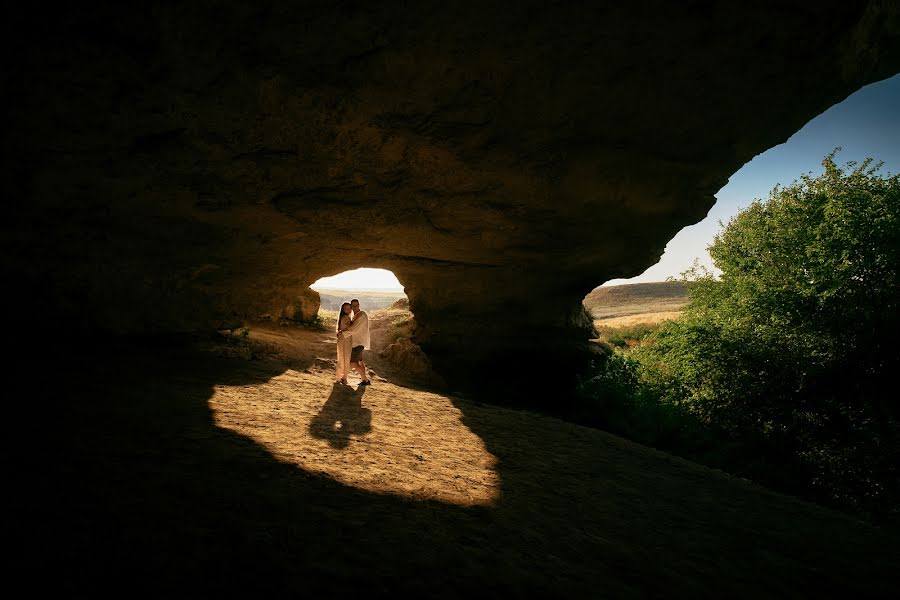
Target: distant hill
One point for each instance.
(603, 303)
(635, 299)
(368, 299)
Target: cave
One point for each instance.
(183, 168)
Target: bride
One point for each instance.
(343, 344)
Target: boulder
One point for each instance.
(304, 308)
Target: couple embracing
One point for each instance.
(352, 339)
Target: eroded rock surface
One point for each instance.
(302, 308)
(184, 167)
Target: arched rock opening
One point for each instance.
(180, 168)
(375, 288)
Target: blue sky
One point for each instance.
(866, 124)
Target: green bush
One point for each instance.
(628, 336)
(779, 364)
(794, 342)
(612, 397)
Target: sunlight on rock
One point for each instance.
(384, 439)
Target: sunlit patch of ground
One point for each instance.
(382, 438)
(234, 466)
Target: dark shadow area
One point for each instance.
(342, 416)
(543, 380)
(131, 487)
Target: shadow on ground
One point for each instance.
(138, 492)
(342, 416)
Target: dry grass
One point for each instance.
(645, 318)
(624, 313)
(369, 299)
(619, 301)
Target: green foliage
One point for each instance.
(320, 322)
(324, 320)
(612, 397)
(782, 360)
(628, 336)
(794, 342)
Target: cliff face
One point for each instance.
(180, 168)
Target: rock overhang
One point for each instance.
(186, 167)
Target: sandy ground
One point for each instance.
(236, 466)
(385, 437)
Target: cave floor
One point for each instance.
(240, 467)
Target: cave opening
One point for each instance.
(392, 350)
(375, 288)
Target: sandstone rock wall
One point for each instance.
(185, 166)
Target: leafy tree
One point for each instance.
(793, 347)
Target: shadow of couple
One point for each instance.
(342, 416)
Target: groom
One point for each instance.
(359, 329)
